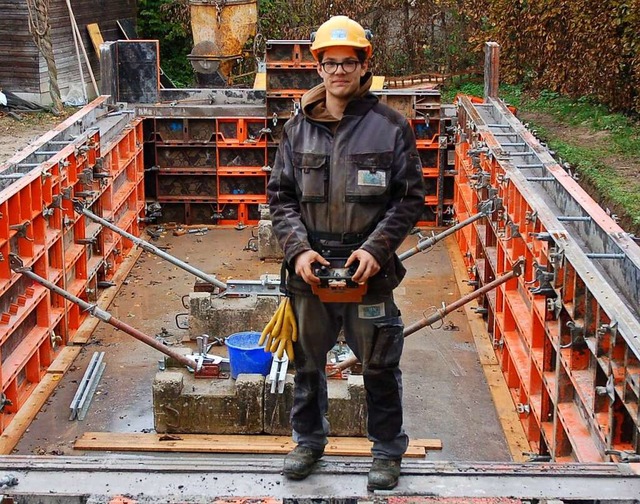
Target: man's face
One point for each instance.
(341, 84)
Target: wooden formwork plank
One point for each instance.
(248, 444)
(89, 325)
(27, 412)
(64, 359)
(512, 427)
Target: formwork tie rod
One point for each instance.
(18, 266)
(431, 241)
(440, 314)
(145, 245)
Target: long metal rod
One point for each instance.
(440, 314)
(105, 316)
(145, 245)
(444, 311)
(430, 242)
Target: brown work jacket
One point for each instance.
(355, 182)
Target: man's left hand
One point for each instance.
(368, 265)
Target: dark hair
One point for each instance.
(361, 54)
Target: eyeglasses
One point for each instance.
(348, 66)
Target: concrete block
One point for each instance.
(184, 404)
(263, 210)
(277, 409)
(268, 246)
(220, 317)
(347, 407)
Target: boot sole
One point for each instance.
(372, 488)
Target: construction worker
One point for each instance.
(346, 185)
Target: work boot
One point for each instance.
(384, 474)
(299, 462)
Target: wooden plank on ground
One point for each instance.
(95, 36)
(238, 443)
(511, 426)
(25, 415)
(89, 325)
(64, 359)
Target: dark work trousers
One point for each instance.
(373, 330)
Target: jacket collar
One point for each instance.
(313, 102)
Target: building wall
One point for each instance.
(24, 70)
(18, 54)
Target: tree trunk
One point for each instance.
(40, 30)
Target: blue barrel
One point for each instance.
(246, 356)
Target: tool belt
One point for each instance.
(338, 245)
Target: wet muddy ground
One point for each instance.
(445, 392)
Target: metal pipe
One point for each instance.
(440, 314)
(598, 255)
(105, 316)
(444, 311)
(145, 245)
(430, 242)
(573, 218)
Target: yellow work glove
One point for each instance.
(281, 331)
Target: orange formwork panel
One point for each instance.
(565, 332)
(38, 224)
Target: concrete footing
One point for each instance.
(184, 404)
(268, 246)
(220, 317)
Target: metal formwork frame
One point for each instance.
(566, 333)
(94, 156)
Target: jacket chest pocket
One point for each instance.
(312, 175)
(368, 176)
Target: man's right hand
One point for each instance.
(302, 265)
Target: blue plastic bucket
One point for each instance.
(245, 356)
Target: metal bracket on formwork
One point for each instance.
(554, 305)
(66, 192)
(85, 177)
(542, 237)
(81, 400)
(608, 389)
(577, 335)
(56, 201)
(556, 256)
(46, 172)
(482, 178)
(610, 328)
(514, 231)
(87, 241)
(531, 217)
(67, 222)
(22, 230)
(487, 207)
(543, 278)
(85, 194)
(523, 409)
(503, 179)
(4, 401)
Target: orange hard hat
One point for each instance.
(340, 31)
